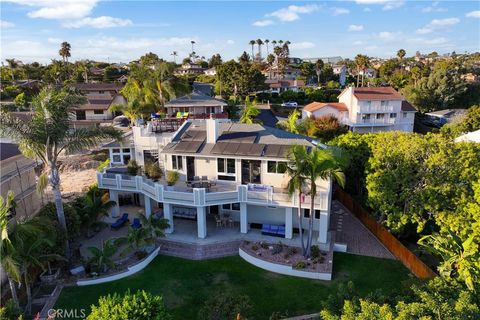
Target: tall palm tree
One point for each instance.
(13, 65)
(322, 164)
(274, 43)
(252, 43)
(64, 51)
(270, 61)
(266, 43)
(94, 207)
(47, 135)
(401, 54)
(193, 51)
(318, 69)
(259, 43)
(362, 62)
(296, 170)
(175, 55)
(250, 112)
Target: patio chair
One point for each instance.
(196, 178)
(231, 223)
(218, 221)
(204, 178)
(136, 224)
(120, 222)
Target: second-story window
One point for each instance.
(380, 115)
(384, 103)
(177, 162)
(306, 213)
(393, 115)
(366, 116)
(97, 111)
(404, 115)
(276, 167)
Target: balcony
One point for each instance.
(222, 193)
(372, 122)
(375, 109)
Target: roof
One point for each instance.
(284, 83)
(126, 143)
(376, 93)
(98, 86)
(236, 139)
(97, 104)
(406, 106)
(8, 150)
(447, 113)
(340, 106)
(195, 99)
(469, 137)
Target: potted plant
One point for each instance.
(172, 178)
(132, 167)
(153, 171)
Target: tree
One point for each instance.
(296, 170)
(149, 59)
(244, 58)
(240, 78)
(95, 207)
(362, 62)
(401, 54)
(64, 51)
(266, 43)
(175, 55)
(324, 128)
(215, 60)
(290, 124)
(259, 43)
(13, 65)
(154, 226)
(252, 43)
(318, 69)
(47, 135)
(132, 306)
(136, 239)
(101, 259)
(249, 112)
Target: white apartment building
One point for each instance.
(367, 109)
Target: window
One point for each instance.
(380, 115)
(366, 116)
(393, 115)
(115, 150)
(116, 158)
(231, 206)
(226, 178)
(276, 167)
(126, 150)
(367, 103)
(404, 115)
(177, 162)
(101, 92)
(384, 103)
(210, 110)
(228, 168)
(97, 111)
(306, 213)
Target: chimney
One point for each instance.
(213, 130)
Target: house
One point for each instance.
(368, 72)
(196, 104)
(329, 60)
(341, 71)
(189, 69)
(18, 175)
(243, 167)
(293, 60)
(275, 72)
(447, 115)
(279, 86)
(100, 96)
(367, 109)
(211, 72)
(473, 136)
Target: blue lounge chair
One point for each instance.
(273, 230)
(136, 224)
(120, 222)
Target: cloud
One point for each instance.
(387, 4)
(372, 1)
(339, 11)
(292, 12)
(358, 43)
(101, 22)
(56, 9)
(367, 9)
(432, 42)
(230, 42)
(388, 36)
(473, 14)
(6, 24)
(54, 40)
(302, 45)
(393, 5)
(263, 23)
(355, 27)
(436, 24)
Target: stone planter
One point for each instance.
(48, 278)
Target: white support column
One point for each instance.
(148, 206)
(168, 214)
(243, 218)
(201, 222)
(288, 223)
(323, 228)
(115, 211)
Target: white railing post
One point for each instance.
(139, 182)
(159, 192)
(242, 193)
(100, 179)
(118, 178)
(199, 196)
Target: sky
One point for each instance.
(121, 31)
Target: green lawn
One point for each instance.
(186, 284)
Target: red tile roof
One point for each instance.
(376, 93)
(406, 106)
(318, 105)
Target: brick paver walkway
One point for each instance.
(349, 230)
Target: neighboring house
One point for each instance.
(94, 71)
(18, 175)
(276, 73)
(100, 96)
(211, 71)
(473, 136)
(246, 163)
(448, 115)
(329, 60)
(279, 86)
(369, 109)
(369, 73)
(293, 60)
(189, 69)
(341, 71)
(196, 104)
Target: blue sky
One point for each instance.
(31, 30)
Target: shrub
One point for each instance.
(72, 218)
(277, 248)
(264, 245)
(299, 265)
(100, 156)
(254, 248)
(314, 251)
(137, 306)
(132, 167)
(172, 177)
(226, 306)
(9, 312)
(152, 171)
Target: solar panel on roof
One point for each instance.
(256, 150)
(272, 150)
(181, 146)
(194, 135)
(239, 136)
(231, 148)
(219, 147)
(243, 149)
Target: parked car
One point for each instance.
(290, 104)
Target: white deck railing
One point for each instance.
(200, 197)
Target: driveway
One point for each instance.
(266, 116)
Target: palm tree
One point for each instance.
(193, 51)
(174, 54)
(47, 135)
(318, 69)
(292, 121)
(155, 226)
(94, 207)
(252, 43)
(250, 112)
(101, 258)
(64, 51)
(13, 65)
(270, 61)
(296, 170)
(135, 239)
(362, 62)
(274, 43)
(401, 54)
(259, 43)
(266, 43)
(322, 164)
(280, 42)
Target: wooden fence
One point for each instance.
(410, 260)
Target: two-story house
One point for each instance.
(367, 109)
(224, 168)
(100, 96)
(196, 104)
(189, 68)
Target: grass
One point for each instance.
(186, 284)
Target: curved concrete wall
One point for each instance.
(131, 270)
(282, 269)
